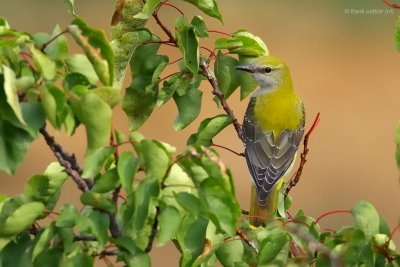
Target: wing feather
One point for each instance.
(267, 159)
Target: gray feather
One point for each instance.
(266, 159)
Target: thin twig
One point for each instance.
(171, 5)
(246, 239)
(217, 92)
(230, 150)
(85, 238)
(111, 252)
(220, 32)
(303, 158)
(44, 46)
(66, 160)
(330, 213)
(164, 28)
(392, 5)
(153, 231)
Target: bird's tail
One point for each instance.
(260, 215)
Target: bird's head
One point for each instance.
(268, 71)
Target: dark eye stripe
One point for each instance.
(268, 70)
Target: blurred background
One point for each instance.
(343, 63)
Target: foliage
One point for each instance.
(185, 197)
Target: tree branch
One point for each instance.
(303, 158)
(66, 160)
(217, 92)
(164, 28)
(114, 226)
(153, 231)
(84, 238)
(246, 239)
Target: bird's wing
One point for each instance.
(267, 159)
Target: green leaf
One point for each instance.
(366, 218)
(98, 201)
(14, 143)
(226, 74)
(43, 241)
(148, 9)
(230, 252)
(383, 227)
(109, 95)
(17, 253)
(274, 244)
(397, 35)
(243, 43)
(46, 187)
(70, 7)
(200, 27)
(138, 259)
(34, 117)
(72, 81)
(49, 258)
(188, 201)
(189, 106)
(80, 63)
(94, 162)
(21, 218)
(247, 83)
(209, 7)
(156, 159)
(96, 48)
(125, 30)
(11, 92)
(94, 222)
(188, 43)
(57, 50)
(96, 115)
(169, 88)
(191, 239)
(169, 222)
(398, 147)
(78, 258)
(53, 100)
(68, 216)
(107, 182)
(141, 96)
(209, 128)
(147, 190)
(219, 204)
(45, 65)
(127, 168)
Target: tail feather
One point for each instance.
(260, 215)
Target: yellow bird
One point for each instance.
(273, 128)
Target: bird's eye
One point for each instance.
(268, 70)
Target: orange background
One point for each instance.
(343, 65)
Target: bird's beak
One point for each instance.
(246, 67)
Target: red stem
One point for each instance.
(393, 232)
(315, 123)
(171, 5)
(228, 149)
(330, 213)
(387, 2)
(296, 221)
(223, 33)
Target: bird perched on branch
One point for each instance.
(272, 131)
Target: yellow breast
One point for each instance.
(278, 110)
